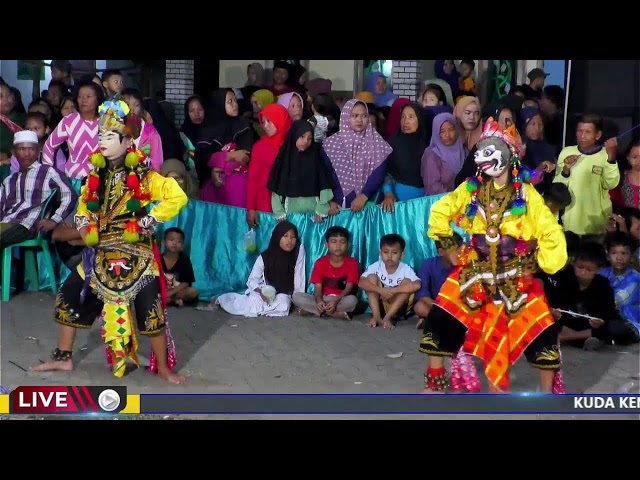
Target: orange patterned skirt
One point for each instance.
(497, 337)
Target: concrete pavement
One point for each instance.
(224, 354)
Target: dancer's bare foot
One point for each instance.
(374, 322)
(179, 302)
(428, 391)
(340, 315)
(171, 377)
(54, 365)
(388, 324)
(420, 323)
(300, 312)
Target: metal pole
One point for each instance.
(566, 105)
(358, 74)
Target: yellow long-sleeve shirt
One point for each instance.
(589, 182)
(538, 223)
(164, 190)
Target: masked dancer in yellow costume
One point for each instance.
(490, 306)
(119, 278)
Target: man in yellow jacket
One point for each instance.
(589, 172)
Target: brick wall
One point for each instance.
(407, 78)
(178, 85)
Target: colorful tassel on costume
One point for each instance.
(98, 160)
(473, 184)
(133, 182)
(133, 205)
(131, 232)
(93, 205)
(521, 248)
(518, 207)
(131, 159)
(536, 177)
(91, 197)
(91, 238)
(93, 182)
(464, 376)
(471, 210)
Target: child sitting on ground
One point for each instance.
(178, 269)
(334, 277)
(390, 284)
(433, 273)
(624, 280)
(593, 317)
(277, 274)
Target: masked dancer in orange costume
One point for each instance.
(490, 306)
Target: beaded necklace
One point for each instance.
(517, 208)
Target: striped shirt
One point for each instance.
(23, 194)
(81, 136)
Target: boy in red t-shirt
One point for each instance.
(335, 277)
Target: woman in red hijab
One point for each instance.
(393, 122)
(276, 122)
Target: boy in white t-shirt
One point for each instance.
(390, 284)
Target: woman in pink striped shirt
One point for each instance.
(79, 130)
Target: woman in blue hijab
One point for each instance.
(377, 85)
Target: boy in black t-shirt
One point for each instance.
(177, 269)
(580, 289)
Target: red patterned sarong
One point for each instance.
(496, 337)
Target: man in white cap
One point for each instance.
(23, 193)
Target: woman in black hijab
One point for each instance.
(277, 273)
(191, 129)
(404, 181)
(225, 125)
(279, 262)
(299, 181)
(172, 145)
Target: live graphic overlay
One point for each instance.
(387, 404)
(112, 400)
(68, 400)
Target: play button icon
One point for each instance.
(109, 400)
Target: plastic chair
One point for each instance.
(30, 259)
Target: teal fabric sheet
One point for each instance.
(214, 243)
(214, 239)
